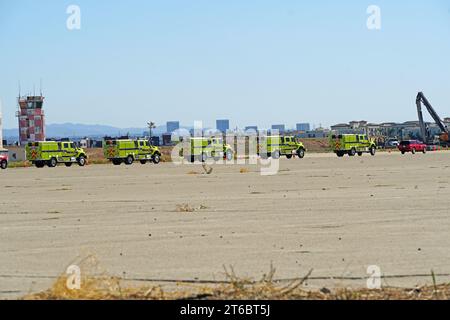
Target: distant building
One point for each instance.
(223, 125)
(303, 127)
(166, 139)
(447, 122)
(386, 130)
(86, 143)
(89, 142)
(155, 141)
(31, 119)
(172, 126)
(97, 144)
(317, 133)
(251, 129)
(341, 128)
(16, 153)
(280, 127)
(352, 127)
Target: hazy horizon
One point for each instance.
(254, 62)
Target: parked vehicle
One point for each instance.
(202, 148)
(352, 144)
(277, 146)
(127, 151)
(3, 159)
(412, 146)
(391, 143)
(51, 153)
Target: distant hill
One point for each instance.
(10, 133)
(70, 130)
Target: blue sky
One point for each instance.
(254, 62)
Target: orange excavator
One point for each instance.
(426, 137)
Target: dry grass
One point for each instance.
(166, 154)
(95, 156)
(105, 287)
(316, 145)
(244, 170)
(187, 208)
(184, 208)
(19, 164)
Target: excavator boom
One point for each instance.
(421, 99)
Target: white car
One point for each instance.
(391, 143)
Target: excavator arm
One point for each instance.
(421, 99)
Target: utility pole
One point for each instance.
(151, 125)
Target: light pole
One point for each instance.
(151, 125)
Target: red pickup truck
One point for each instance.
(3, 159)
(412, 146)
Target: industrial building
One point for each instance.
(251, 129)
(223, 125)
(31, 119)
(167, 139)
(172, 126)
(303, 127)
(316, 133)
(386, 130)
(280, 127)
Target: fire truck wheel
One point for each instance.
(129, 160)
(81, 161)
(39, 164)
(116, 162)
(52, 163)
(276, 155)
(352, 152)
(289, 156)
(68, 164)
(373, 150)
(143, 161)
(156, 158)
(301, 153)
(4, 164)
